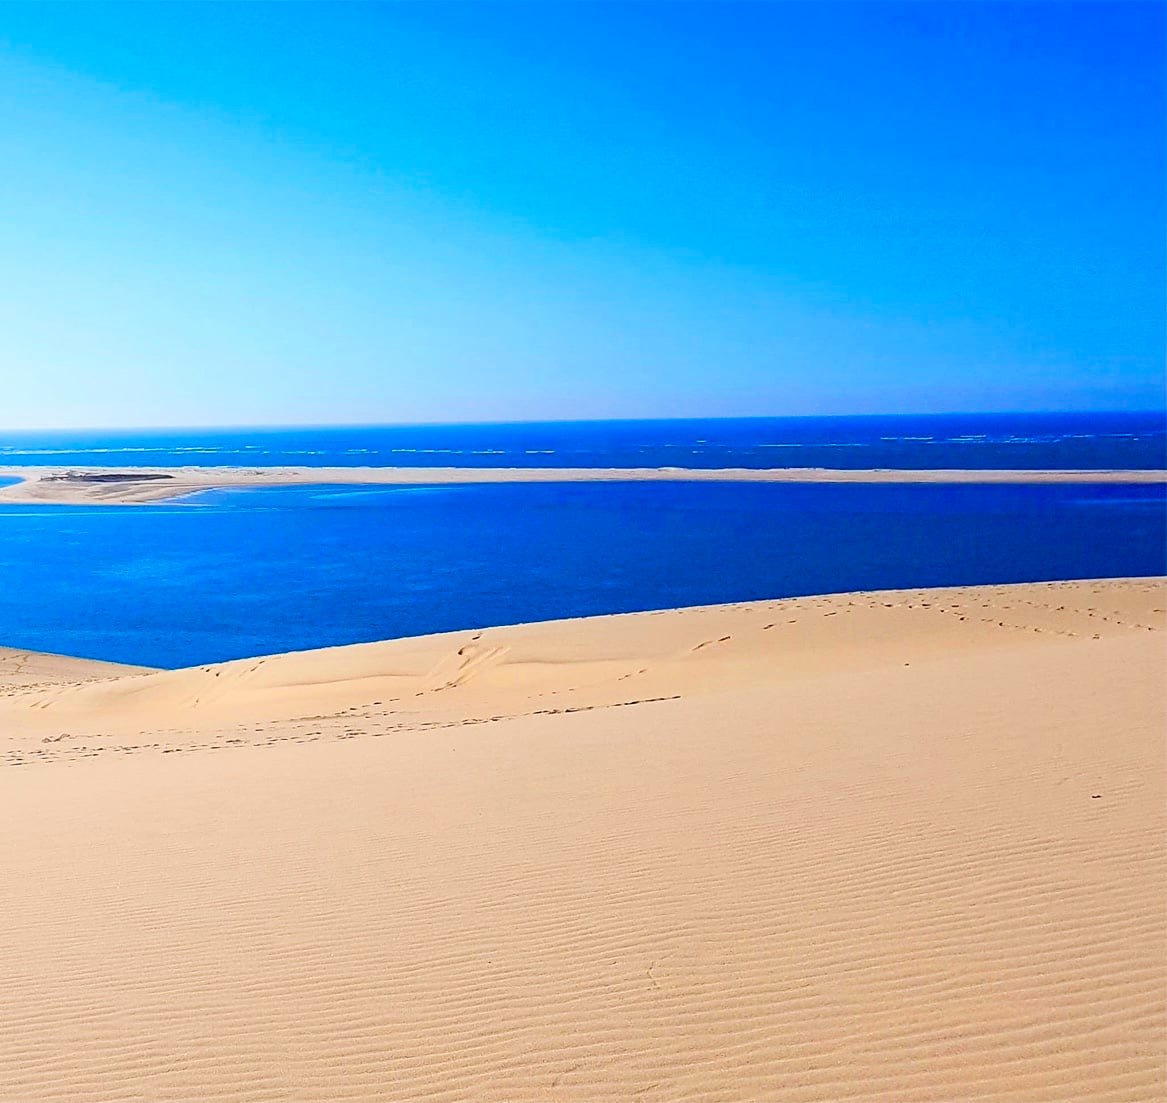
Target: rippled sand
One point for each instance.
(891, 846)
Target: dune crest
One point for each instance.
(599, 661)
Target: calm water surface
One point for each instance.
(227, 574)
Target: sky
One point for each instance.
(281, 213)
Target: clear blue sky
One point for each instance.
(281, 213)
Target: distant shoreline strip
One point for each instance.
(138, 485)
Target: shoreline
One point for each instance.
(836, 600)
(138, 486)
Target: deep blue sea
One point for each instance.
(231, 573)
(1032, 441)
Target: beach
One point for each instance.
(899, 845)
(140, 485)
(583, 553)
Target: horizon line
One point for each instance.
(1160, 411)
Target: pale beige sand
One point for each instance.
(136, 485)
(902, 846)
(28, 668)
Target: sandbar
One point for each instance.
(140, 485)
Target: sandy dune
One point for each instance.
(138, 485)
(29, 668)
(894, 846)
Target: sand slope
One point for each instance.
(30, 668)
(835, 848)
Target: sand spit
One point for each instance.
(131, 486)
(897, 846)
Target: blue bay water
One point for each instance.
(1027, 441)
(227, 574)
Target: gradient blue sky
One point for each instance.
(282, 213)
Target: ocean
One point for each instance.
(1027, 441)
(230, 573)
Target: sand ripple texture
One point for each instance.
(899, 847)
